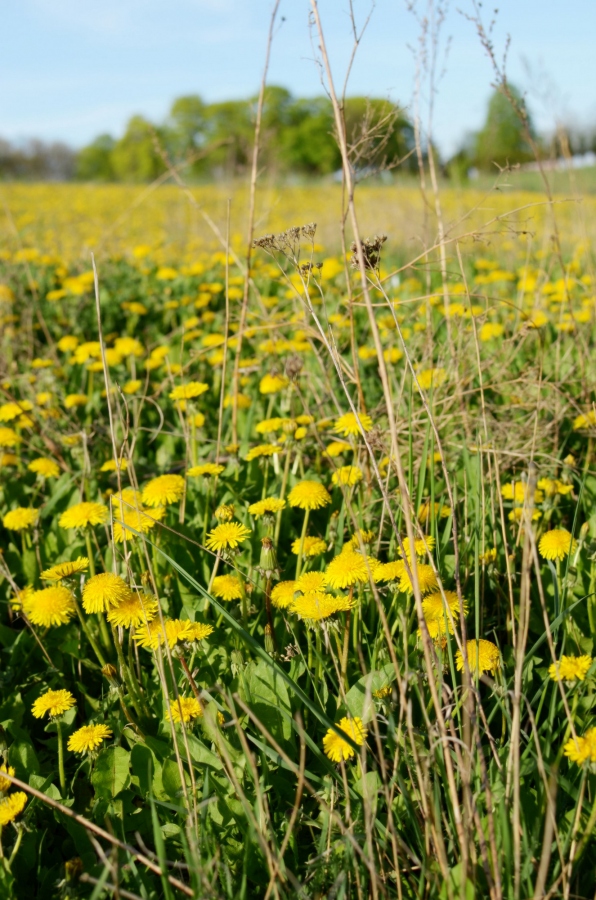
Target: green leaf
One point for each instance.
(111, 772)
(359, 699)
(142, 767)
(269, 699)
(22, 757)
(170, 778)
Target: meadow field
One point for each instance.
(298, 543)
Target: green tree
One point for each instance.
(94, 162)
(135, 157)
(185, 129)
(229, 125)
(502, 140)
(379, 134)
(307, 143)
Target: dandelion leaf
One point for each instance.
(111, 772)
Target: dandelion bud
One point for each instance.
(268, 561)
(73, 868)
(225, 512)
(583, 532)
(111, 673)
(289, 426)
(269, 645)
(237, 662)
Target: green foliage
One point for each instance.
(94, 162)
(503, 140)
(216, 140)
(135, 156)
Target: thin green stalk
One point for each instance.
(301, 547)
(89, 636)
(61, 774)
(90, 553)
(126, 674)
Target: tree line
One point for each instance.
(213, 141)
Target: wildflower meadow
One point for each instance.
(297, 540)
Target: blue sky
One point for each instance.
(70, 69)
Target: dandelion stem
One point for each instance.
(126, 675)
(17, 844)
(89, 636)
(90, 553)
(61, 774)
(344, 658)
(301, 547)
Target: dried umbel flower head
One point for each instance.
(293, 366)
(371, 252)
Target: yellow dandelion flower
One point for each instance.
(309, 495)
(262, 450)
(128, 346)
(518, 491)
(67, 343)
(336, 747)
(311, 546)
(189, 391)
(271, 384)
(425, 511)
(20, 519)
(150, 635)
(10, 411)
(50, 606)
(224, 512)
(337, 448)
(194, 631)
(585, 421)
(316, 605)
(436, 615)
(132, 387)
(283, 594)
(269, 426)
(227, 587)
(83, 514)
(390, 571)
(184, 709)
(65, 569)
(8, 459)
(9, 437)
(582, 749)
(557, 544)
(227, 535)
(421, 547)
(517, 514)
(5, 784)
(346, 569)
(205, 469)
(347, 475)
(382, 692)
(427, 580)
(11, 807)
(489, 658)
(132, 520)
(47, 468)
(489, 556)
(367, 537)
(431, 378)
(111, 465)
(570, 668)
(74, 400)
(133, 610)
(310, 581)
(104, 591)
(88, 738)
(491, 330)
(348, 424)
(55, 703)
(163, 490)
(267, 507)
